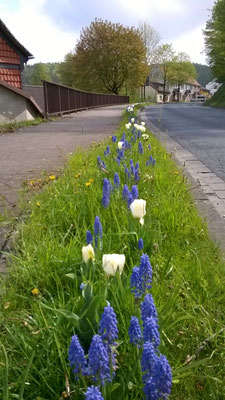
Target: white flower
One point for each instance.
(136, 125)
(143, 129)
(88, 252)
(132, 120)
(143, 123)
(120, 145)
(128, 125)
(145, 136)
(138, 209)
(112, 262)
(130, 108)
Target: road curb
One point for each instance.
(207, 188)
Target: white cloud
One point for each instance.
(149, 9)
(192, 43)
(34, 30)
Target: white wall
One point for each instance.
(14, 107)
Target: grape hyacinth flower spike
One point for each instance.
(77, 357)
(108, 325)
(99, 360)
(135, 331)
(89, 237)
(98, 232)
(93, 393)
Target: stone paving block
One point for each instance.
(221, 194)
(217, 186)
(212, 179)
(207, 189)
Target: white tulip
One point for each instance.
(132, 120)
(120, 145)
(112, 262)
(128, 125)
(88, 253)
(145, 136)
(143, 123)
(136, 125)
(138, 209)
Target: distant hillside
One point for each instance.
(34, 74)
(204, 74)
(218, 99)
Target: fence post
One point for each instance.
(45, 99)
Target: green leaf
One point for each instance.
(5, 376)
(24, 377)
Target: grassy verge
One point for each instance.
(218, 99)
(15, 125)
(188, 281)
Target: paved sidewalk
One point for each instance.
(24, 154)
(208, 189)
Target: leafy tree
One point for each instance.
(181, 70)
(162, 61)
(108, 58)
(204, 73)
(150, 37)
(34, 74)
(215, 40)
(40, 73)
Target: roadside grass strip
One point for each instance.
(115, 290)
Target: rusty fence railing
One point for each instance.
(61, 99)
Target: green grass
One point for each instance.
(188, 282)
(15, 125)
(218, 99)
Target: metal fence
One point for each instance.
(62, 99)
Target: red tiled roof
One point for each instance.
(9, 36)
(7, 54)
(11, 76)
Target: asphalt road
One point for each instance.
(197, 128)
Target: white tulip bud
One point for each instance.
(138, 209)
(120, 145)
(112, 262)
(88, 253)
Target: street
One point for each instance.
(199, 129)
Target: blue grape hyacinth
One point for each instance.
(89, 237)
(151, 331)
(126, 192)
(157, 377)
(135, 331)
(134, 192)
(140, 148)
(141, 277)
(116, 180)
(148, 308)
(93, 393)
(140, 244)
(108, 325)
(98, 232)
(99, 360)
(106, 193)
(76, 357)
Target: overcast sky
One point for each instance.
(50, 28)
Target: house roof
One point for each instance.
(23, 94)
(9, 36)
(193, 81)
(159, 87)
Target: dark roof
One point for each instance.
(23, 94)
(14, 41)
(158, 86)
